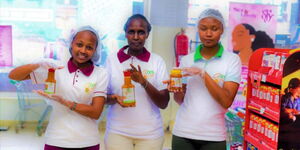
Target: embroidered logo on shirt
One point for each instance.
(88, 87)
(148, 74)
(219, 78)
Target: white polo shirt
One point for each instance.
(143, 121)
(200, 116)
(68, 128)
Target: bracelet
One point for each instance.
(146, 84)
(73, 106)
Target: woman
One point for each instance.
(212, 83)
(139, 127)
(290, 100)
(80, 93)
(290, 116)
(245, 40)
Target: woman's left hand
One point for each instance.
(136, 75)
(193, 71)
(52, 97)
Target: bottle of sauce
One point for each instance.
(176, 79)
(128, 90)
(50, 82)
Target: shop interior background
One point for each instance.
(41, 28)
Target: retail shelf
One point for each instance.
(266, 110)
(259, 142)
(269, 73)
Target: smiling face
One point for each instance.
(83, 47)
(210, 31)
(136, 34)
(296, 92)
(241, 38)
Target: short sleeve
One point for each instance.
(108, 69)
(39, 76)
(101, 84)
(183, 62)
(234, 70)
(161, 75)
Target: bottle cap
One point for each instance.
(176, 71)
(126, 73)
(51, 70)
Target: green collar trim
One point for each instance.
(198, 55)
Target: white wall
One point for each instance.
(163, 45)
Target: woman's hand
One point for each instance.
(54, 97)
(193, 71)
(137, 75)
(119, 99)
(173, 90)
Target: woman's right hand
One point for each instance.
(119, 99)
(170, 82)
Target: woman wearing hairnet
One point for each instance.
(80, 93)
(213, 76)
(139, 127)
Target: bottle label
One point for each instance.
(49, 87)
(128, 93)
(176, 82)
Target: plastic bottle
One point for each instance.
(263, 126)
(176, 79)
(128, 90)
(266, 130)
(50, 82)
(276, 129)
(251, 121)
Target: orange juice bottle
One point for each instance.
(50, 82)
(128, 90)
(176, 79)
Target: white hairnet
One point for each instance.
(212, 13)
(96, 55)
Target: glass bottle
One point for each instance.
(128, 90)
(176, 79)
(50, 82)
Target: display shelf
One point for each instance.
(270, 71)
(259, 142)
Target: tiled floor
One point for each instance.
(27, 139)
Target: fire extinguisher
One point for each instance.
(180, 45)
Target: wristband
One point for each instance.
(73, 106)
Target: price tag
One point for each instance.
(262, 110)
